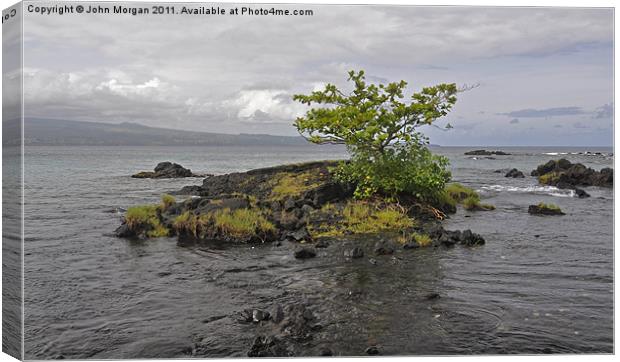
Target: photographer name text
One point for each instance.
(165, 10)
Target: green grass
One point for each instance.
(444, 199)
(422, 239)
(188, 223)
(145, 217)
(553, 207)
(294, 184)
(167, 201)
(549, 178)
(473, 203)
(362, 217)
(459, 193)
(239, 223)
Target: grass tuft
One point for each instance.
(361, 217)
(145, 217)
(553, 207)
(240, 223)
(549, 178)
(422, 239)
(167, 201)
(473, 203)
(459, 193)
(294, 184)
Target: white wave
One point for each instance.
(546, 190)
(555, 153)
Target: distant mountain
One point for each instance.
(75, 133)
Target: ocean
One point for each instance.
(539, 285)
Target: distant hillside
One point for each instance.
(74, 133)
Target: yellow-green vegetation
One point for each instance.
(459, 193)
(167, 201)
(553, 207)
(362, 217)
(145, 217)
(292, 184)
(189, 223)
(239, 223)
(549, 178)
(251, 198)
(473, 203)
(422, 239)
(456, 193)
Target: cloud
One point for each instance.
(266, 104)
(232, 74)
(580, 125)
(547, 112)
(605, 111)
(514, 121)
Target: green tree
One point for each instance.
(380, 129)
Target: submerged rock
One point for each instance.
(411, 245)
(321, 244)
(581, 193)
(260, 315)
(354, 253)
(514, 173)
(268, 346)
(167, 170)
(305, 253)
(384, 248)
(469, 238)
(123, 231)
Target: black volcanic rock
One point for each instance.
(486, 153)
(542, 209)
(305, 253)
(167, 170)
(514, 173)
(566, 175)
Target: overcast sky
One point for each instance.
(545, 75)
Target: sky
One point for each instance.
(544, 75)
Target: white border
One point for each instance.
(505, 3)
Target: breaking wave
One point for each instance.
(544, 190)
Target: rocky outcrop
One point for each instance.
(514, 173)
(294, 203)
(305, 253)
(581, 193)
(542, 209)
(566, 175)
(167, 170)
(486, 153)
(450, 238)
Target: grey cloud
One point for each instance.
(547, 112)
(580, 125)
(605, 111)
(223, 73)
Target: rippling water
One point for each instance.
(539, 285)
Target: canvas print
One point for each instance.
(201, 180)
